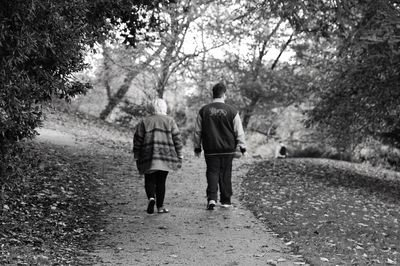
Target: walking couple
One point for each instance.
(158, 149)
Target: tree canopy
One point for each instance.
(357, 92)
(346, 56)
(361, 96)
(42, 43)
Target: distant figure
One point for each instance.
(219, 132)
(281, 151)
(157, 149)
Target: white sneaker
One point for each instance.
(211, 205)
(226, 206)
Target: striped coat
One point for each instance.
(157, 144)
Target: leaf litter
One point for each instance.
(51, 211)
(330, 215)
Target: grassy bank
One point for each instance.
(330, 215)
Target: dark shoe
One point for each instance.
(150, 206)
(211, 205)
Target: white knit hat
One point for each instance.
(160, 106)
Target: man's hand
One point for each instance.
(197, 152)
(243, 151)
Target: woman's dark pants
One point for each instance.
(154, 184)
(219, 173)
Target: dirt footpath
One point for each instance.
(189, 234)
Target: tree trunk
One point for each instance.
(169, 58)
(249, 110)
(263, 51)
(2, 173)
(282, 50)
(165, 73)
(114, 100)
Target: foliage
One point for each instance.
(252, 60)
(360, 97)
(328, 213)
(377, 154)
(307, 152)
(156, 60)
(42, 43)
(275, 88)
(132, 112)
(351, 51)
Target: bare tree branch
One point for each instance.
(282, 50)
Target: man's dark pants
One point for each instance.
(219, 173)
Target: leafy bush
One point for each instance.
(361, 97)
(375, 153)
(132, 112)
(309, 152)
(335, 154)
(41, 44)
(314, 151)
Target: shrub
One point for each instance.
(41, 44)
(308, 151)
(375, 153)
(132, 112)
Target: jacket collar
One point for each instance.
(218, 100)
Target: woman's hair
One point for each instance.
(160, 106)
(218, 90)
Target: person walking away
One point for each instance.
(157, 149)
(219, 131)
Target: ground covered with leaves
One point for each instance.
(332, 215)
(329, 214)
(50, 212)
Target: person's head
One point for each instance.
(219, 90)
(160, 106)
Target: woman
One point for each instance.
(157, 148)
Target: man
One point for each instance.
(220, 132)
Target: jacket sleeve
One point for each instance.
(197, 134)
(239, 133)
(138, 139)
(176, 138)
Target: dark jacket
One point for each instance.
(218, 129)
